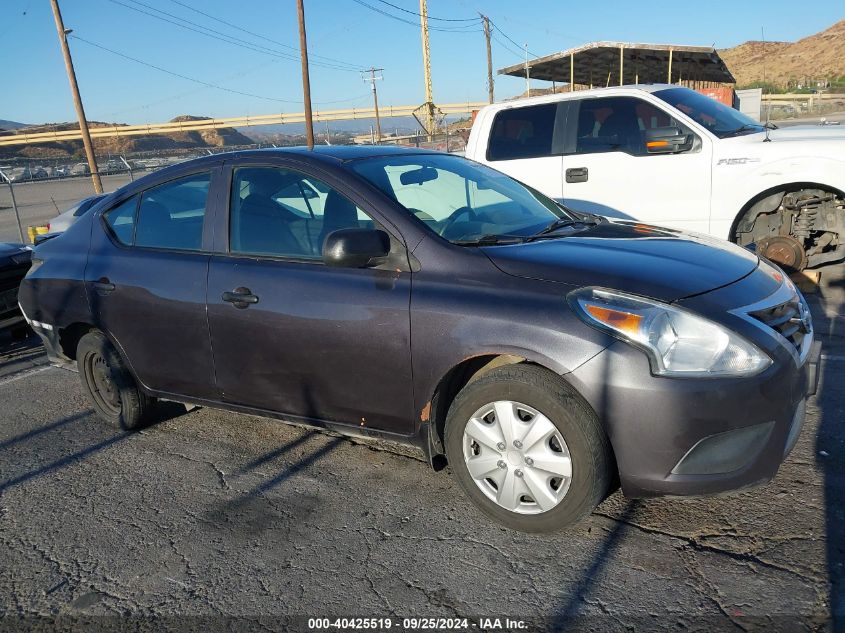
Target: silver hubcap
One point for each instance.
(517, 457)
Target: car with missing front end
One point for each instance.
(542, 353)
(14, 264)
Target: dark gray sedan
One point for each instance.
(427, 299)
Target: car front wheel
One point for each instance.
(527, 450)
(109, 385)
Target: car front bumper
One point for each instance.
(681, 437)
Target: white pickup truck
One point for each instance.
(667, 155)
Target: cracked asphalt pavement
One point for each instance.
(211, 519)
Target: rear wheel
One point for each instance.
(527, 450)
(109, 385)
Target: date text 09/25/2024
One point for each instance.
(415, 624)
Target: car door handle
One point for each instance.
(577, 174)
(240, 297)
(103, 286)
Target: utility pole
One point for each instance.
(77, 100)
(486, 21)
(527, 74)
(429, 97)
(372, 79)
(306, 80)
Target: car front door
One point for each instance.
(292, 335)
(146, 281)
(610, 172)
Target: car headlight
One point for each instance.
(677, 342)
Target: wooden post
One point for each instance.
(486, 22)
(669, 79)
(621, 64)
(77, 99)
(429, 93)
(306, 80)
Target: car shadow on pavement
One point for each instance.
(164, 412)
(830, 458)
(62, 462)
(23, 437)
(18, 354)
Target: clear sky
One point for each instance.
(264, 64)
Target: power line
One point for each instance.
(194, 80)
(505, 46)
(262, 37)
(505, 35)
(429, 17)
(223, 37)
(468, 28)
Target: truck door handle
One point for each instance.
(240, 297)
(577, 174)
(103, 286)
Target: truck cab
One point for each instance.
(667, 155)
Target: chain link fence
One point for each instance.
(35, 190)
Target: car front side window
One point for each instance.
(280, 212)
(619, 124)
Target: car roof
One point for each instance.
(326, 153)
(580, 94)
(331, 155)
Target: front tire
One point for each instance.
(527, 450)
(109, 385)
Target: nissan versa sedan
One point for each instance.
(419, 297)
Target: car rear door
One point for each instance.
(296, 337)
(526, 143)
(146, 281)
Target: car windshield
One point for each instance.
(716, 117)
(460, 200)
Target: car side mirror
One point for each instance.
(356, 248)
(667, 140)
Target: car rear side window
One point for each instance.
(523, 133)
(171, 215)
(121, 220)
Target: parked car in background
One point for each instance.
(62, 171)
(670, 156)
(62, 221)
(80, 169)
(14, 263)
(424, 298)
(19, 174)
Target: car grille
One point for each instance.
(789, 319)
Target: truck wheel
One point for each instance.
(108, 384)
(527, 450)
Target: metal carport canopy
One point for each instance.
(616, 63)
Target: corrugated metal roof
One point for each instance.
(597, 64)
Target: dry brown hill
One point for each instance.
(224, 137)
(820, 56)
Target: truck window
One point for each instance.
(616, 124)
(522, 133)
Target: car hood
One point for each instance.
(813, 133)
(655, 262)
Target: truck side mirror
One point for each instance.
(667, 140)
